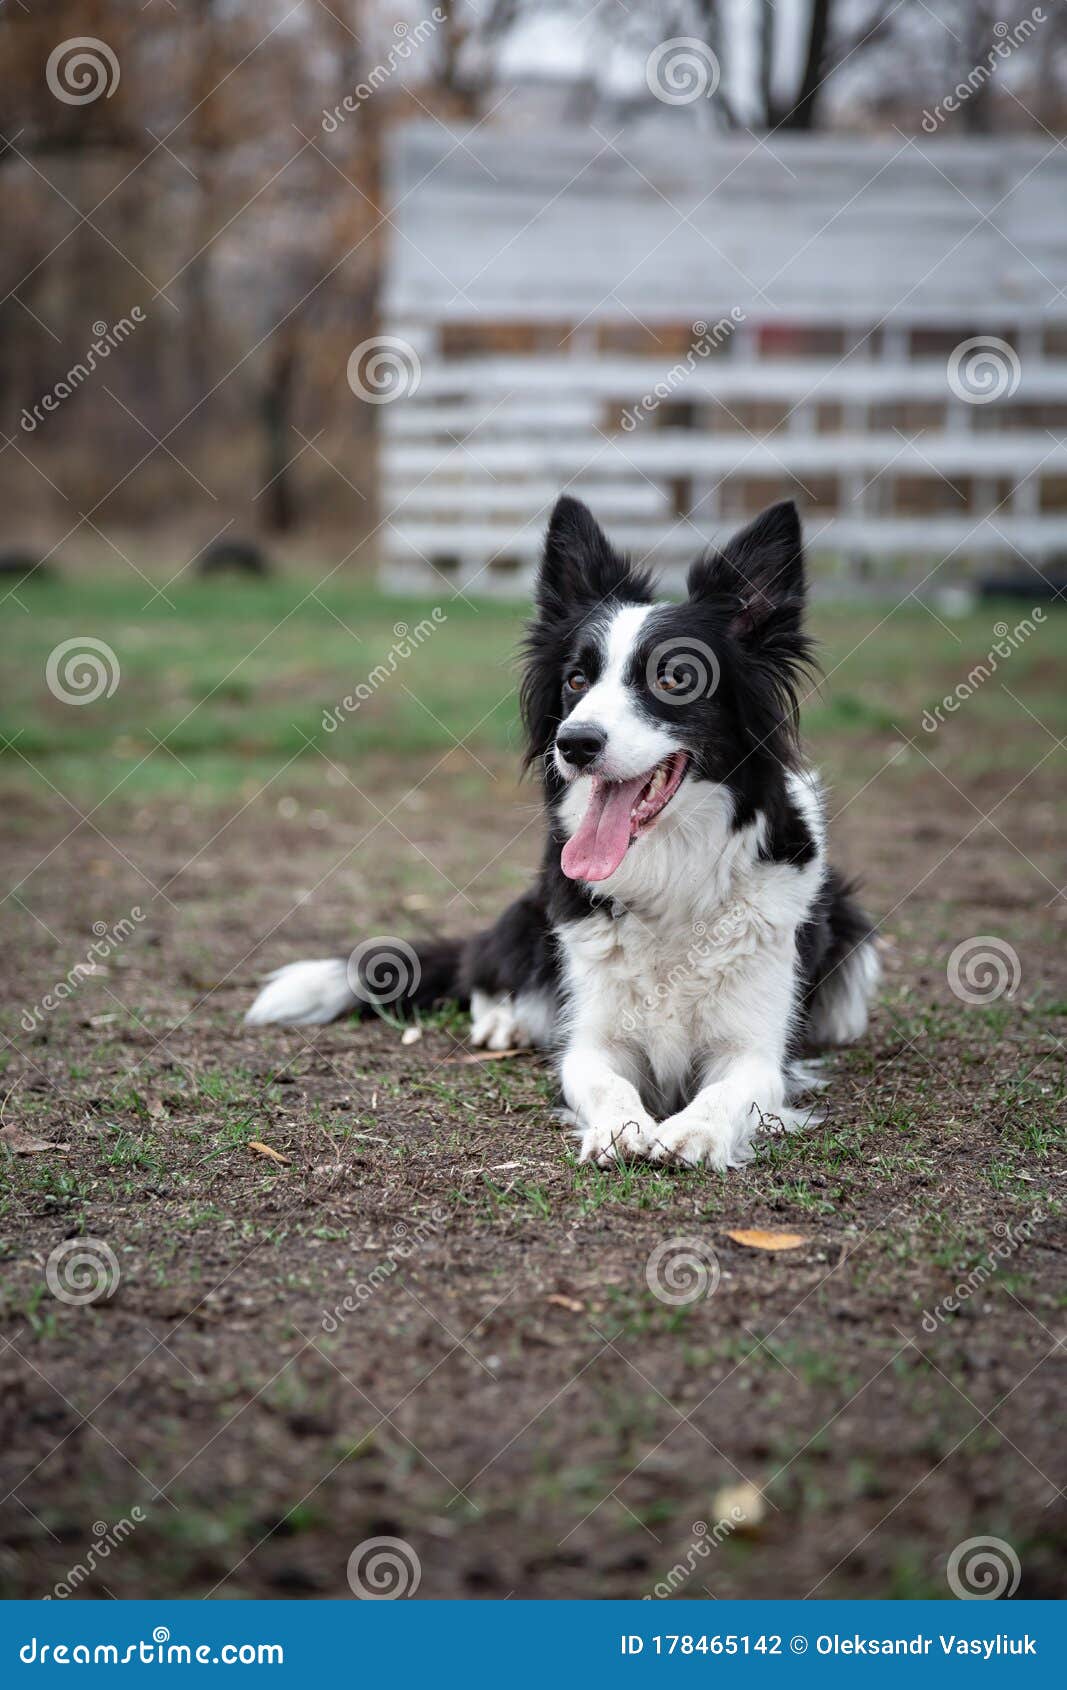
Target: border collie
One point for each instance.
(685, 941)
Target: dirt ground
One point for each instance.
(504, 1392)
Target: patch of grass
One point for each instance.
(639, 1314)
(234, 682)
(640, 1185)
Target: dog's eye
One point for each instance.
(672, 679)
(576, 681)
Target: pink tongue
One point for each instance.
(603, 835)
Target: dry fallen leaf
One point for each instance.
(756, 1239)
(562, 1302)
(22, 1143)
(486, 1056)
(265, 1150)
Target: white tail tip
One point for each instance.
(303, 994)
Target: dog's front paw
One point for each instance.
(618, 1140)
(696, 1137)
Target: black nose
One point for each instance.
(580, 745)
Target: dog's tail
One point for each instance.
(389, 974)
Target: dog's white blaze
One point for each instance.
(634, 744)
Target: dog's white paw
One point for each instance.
(497, 1025)
(618, 1140)
(695, 1138)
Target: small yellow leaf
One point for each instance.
(265, 1150)
(756, 1239)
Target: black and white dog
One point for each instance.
(685, 941)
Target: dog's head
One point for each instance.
(636, 699)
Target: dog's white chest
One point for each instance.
(672, 990)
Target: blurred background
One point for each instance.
(367, 284)
(310, 310)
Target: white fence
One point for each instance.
(682, 335)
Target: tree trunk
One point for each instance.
(276, 410)
(805, 112)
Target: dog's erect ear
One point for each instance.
(579, 564)
(760, 572)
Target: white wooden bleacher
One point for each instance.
(525, 273)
